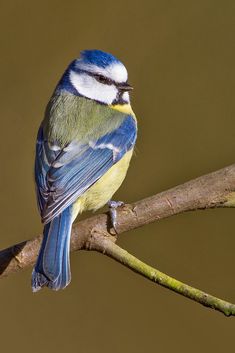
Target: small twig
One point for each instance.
(209, 191)
(122, 256)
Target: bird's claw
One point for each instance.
(113, 205)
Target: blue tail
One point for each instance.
(52, 268)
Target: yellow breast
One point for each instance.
(102, 191)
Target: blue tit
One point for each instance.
(84, 147)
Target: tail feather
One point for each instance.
(53, 266)
(65, 276)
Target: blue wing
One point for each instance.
(64, 174)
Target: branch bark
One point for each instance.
(213, 190)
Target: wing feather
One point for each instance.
(64, 174)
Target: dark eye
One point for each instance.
(103, 79)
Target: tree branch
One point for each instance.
(216, 189)
(109, 248)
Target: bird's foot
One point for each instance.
(113, 205)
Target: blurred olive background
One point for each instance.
(180, 56)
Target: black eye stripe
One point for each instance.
(102, 79)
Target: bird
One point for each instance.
(83, 150)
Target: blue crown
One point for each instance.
(91, 57)
(98, 58)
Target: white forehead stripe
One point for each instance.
(116, 71)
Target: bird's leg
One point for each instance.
(113, 205)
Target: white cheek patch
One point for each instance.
(116, 71)
(89, 87)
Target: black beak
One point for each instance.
(125, 87)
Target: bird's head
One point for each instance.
(99, 76)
